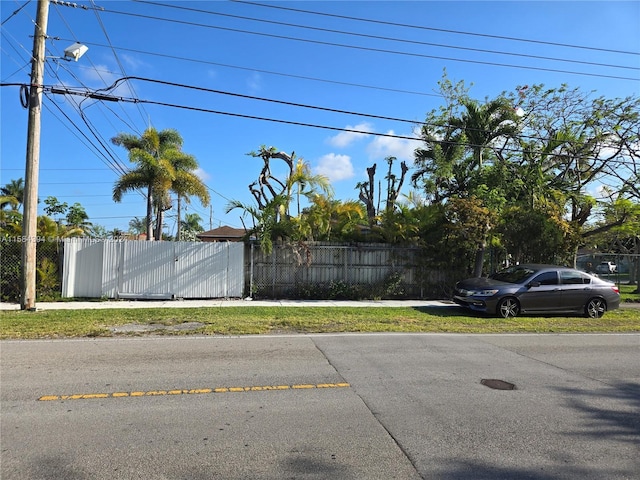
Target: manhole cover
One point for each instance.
(497, 384)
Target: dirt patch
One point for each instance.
(154, 327)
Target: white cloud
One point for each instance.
(401, 148)
(344, 139)
(254, 82)
(201, 174)
(335, 167)
(134, 63)
(101, 76)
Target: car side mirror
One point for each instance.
(534, 284)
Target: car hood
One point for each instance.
(480, 283)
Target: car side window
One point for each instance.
(547, 278)
(574, 278)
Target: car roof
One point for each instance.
(542, 266)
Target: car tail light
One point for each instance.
(615, 289)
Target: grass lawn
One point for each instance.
(252, 320)
(277, 319)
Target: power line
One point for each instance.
(15, 12)
(67, 91)
(115, 53)
(275, 120)
(252, 97)
(101, 96)
(392, 39)
(457, 32)
(301, 105)
(112, 164)
(370, 49)
(268, 72)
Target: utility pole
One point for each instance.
(30, 218)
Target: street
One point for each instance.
(342, 406)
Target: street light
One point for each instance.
(75, 51)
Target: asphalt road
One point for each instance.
(374, 406)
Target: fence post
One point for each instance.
(273, 271)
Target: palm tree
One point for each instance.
(481, 126)
(330, 219)
(266, 220)
(12, 194)
(189, 227)
(77, 218)
(186, 183)
(137, 226)
(154, 171)
(306, 183)
(437, 163)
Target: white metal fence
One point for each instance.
(148, 270)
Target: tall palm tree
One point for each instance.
(154, 171)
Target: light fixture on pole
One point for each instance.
(75, 51)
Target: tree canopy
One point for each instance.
(532, 174)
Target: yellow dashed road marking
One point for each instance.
(194, 391)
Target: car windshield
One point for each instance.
(515, 274)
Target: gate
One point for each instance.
(152, 270)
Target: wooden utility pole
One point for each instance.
(30, 218)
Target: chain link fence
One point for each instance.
(48, 270)
(620, 268)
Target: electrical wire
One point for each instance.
(303, 124)
(143, 114)
(15, 12)
(457, 32)
(98, 71)
(301, 105)
(252, 97)
(267, 72)
(370, 49)
(391, 39)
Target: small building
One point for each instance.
(223, 234)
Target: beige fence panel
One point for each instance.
(317, 270)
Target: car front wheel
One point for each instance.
(508, 307)
(596, 308)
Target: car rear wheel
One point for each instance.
(596, 308)
(508, 307)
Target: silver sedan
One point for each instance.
(538, 289)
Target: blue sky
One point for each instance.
(314, 53)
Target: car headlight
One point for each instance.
(484, 293)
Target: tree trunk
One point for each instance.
(367, 194)
(159, 222)
(477, 270)
(149, 214)
(179, 225)
(635, 262)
